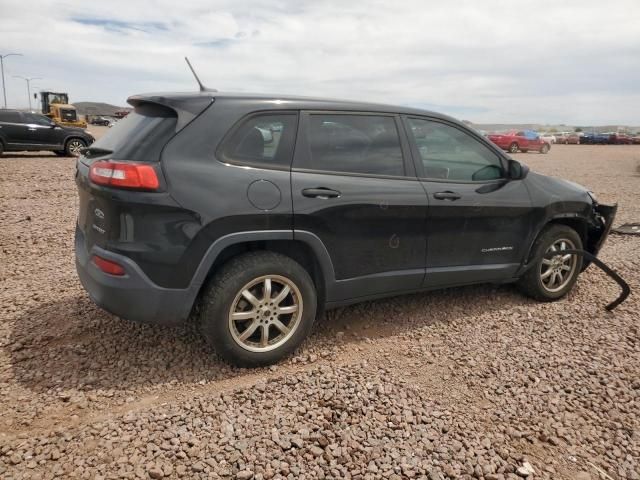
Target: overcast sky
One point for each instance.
(574, 62)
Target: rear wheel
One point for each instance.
(513, 148)
(73, 147)
(258, 308)
(544, 149)
(552, 278)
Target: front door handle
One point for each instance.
(320, 192)
(447, 195)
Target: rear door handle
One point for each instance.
(320, 192)
(447, 195)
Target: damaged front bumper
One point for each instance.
(600, 227)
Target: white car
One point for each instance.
(548, 137)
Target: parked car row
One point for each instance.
(607, 138)
(525, 140)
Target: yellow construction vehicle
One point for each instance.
(56, 106)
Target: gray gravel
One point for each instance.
(474, 382)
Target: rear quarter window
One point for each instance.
(141, 135)
(265, 140)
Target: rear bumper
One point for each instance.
(132, 296)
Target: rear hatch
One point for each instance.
(116, 217)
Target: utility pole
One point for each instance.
(4, 90)
(28, 80)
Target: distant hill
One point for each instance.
(97, 108)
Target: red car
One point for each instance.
(522, 141)
(573, 139)
(620, 139)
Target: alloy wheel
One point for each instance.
(265, 313)
(557, 271)
(75, 146)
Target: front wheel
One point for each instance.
(544, 149)
(513, 148)
(550, 279)
(258, 308)
(74, 146)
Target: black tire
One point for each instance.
(513, 148)
(73, 146)
(532, 283)
(544, 149)
(223, 296)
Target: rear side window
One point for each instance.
(264, 140)
(141, 135)
(364, 144)
(10, 117)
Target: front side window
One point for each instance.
(265, 139)
(364, 144)
(448, 153)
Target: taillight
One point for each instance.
(140, 176)
(108, 266)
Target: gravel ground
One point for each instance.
(474, 382)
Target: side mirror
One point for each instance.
(517, 171)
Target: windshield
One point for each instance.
(141, 135)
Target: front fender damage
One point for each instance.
(599, 226)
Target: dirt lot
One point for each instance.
(475, 382)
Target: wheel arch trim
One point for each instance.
(317, 247)
(558, 218)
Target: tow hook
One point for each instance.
(626, 290)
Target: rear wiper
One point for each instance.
(94, 151)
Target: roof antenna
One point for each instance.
(202, 87)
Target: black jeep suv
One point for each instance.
(22, 131)
(265, 210)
